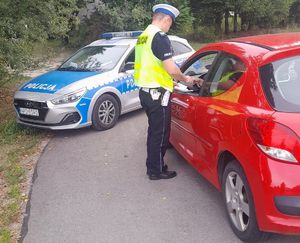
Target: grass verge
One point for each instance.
(17, 144)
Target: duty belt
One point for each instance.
(160, 89)
(148, 89)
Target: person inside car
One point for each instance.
(231, 76)
(233, 70)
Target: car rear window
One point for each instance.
(180, 48)
(281, 83)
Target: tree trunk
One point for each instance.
(243, 23)
(235, 22)
(218, 24)
(250, 25)
(226, 22)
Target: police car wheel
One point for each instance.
(105, 113)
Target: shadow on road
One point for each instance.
(87, 130)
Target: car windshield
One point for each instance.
(281, 84)
(94, 58)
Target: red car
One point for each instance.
(241, 129)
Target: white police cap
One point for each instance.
(166, 9)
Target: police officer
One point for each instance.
(154, 71)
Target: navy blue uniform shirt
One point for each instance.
(161, 46)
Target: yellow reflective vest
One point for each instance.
(148, 69)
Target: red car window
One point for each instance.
(281, 84)
(227, 71)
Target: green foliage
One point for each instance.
(14, 192)
(16, 143)
(22, 23)
(127, 15)
(184, 22)
(203, 33)
(294, 12)
(14, 174)
(253, 13)
(265, 13)
(92, 25)
(111, 16)
(209, 13)
(9, 214)
(5, 236)
(10, 132)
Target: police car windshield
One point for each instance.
(94, 58)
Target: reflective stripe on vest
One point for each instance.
(148, 69)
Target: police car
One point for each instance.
(93, 87)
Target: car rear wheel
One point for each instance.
(239, 204)
(105, 113)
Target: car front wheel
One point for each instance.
(105, 113)
(239, 204)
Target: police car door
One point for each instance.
(130, 90)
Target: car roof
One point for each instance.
(114, 41)
(272, 41)
(127, 41)
(261, 48)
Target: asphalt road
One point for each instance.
(91, 187)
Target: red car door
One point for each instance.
(184, 103)
(206, 120)
(183, 120)
(217, 110)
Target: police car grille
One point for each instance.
(40, 106)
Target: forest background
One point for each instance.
(28, 23)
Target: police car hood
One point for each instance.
(57, 82)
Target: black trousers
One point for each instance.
(159, 121)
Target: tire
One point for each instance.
(239, 204)
(106, 112)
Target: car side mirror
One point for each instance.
(128, 66)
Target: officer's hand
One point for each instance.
(175, 83)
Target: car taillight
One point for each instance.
(275, 139)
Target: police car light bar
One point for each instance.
(109, 35)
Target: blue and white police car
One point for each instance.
(93, 87)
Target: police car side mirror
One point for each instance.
(128, 66)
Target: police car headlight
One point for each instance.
(69, 98)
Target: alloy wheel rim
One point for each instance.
(106, 112)
(237, 201)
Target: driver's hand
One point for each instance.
(194, 81)
(198, 81)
